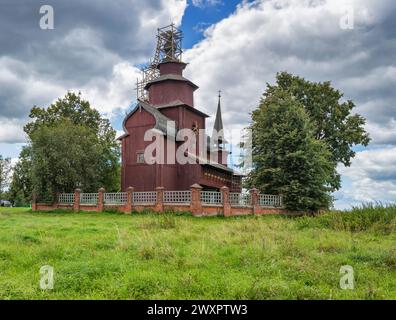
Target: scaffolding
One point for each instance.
(169, 48)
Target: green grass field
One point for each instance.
(169, 256)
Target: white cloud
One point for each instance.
(383, 133)
(373, 175)
(206, 3)
(175, 11)
(172, 11)
(11, 131)
(105, 94)
(243, 52)
(22, 87)
(92, 51)
(108, 95)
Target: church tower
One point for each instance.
(165, 96)
(218, 136)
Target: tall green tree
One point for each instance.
(332, 118)
(66, 156)
(287, 158)
(21, 184)
(5, 170)
(71, 145)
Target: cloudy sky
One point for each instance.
(96, 47)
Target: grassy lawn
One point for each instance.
(151, 256)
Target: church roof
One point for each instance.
(174, 77)
(160, 119)
(178, 103)
(216, 165)
(206, 162)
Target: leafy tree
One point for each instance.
(5, 170)
(77, 110)
(66, 156)
(21, 185)
(286, 156)
(332, 120)
(71, 145)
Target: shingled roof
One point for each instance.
(174, 77)
(160, 119)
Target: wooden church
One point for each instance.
(164, 95)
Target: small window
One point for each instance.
(140, 157)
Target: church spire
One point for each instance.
(218, 124)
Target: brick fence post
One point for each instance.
(255, 200)
(159, 205)
(195, 204)
(226, 201)
(129, 204)
(76, 204)
(34, 201)
(100, 205)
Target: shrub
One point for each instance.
(370, 216)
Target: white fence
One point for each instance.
(115, 198)
(240, 199)
(177, 197)
(66, 198)
(145, 197)
(89, 198)
(269, 200)
(181, 197)
(211, 197)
